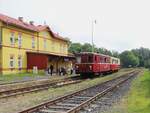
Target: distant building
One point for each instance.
(24, 46)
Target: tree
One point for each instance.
(143, 54)
(147, 63)
(115, 54)
(86, 47)
(75, 47)
(129, 59)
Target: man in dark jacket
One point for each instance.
(51, 69)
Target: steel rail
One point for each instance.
(19, 91)
(76, 108)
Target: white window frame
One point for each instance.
(60, 48)
(11, 62)
(66, 48)
(53, 46)
(63, 48)
(19, 40)
(20, 62)
(45, 43)
(0, 35)
(12, 38)
(33, 42)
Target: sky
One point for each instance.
(120, 24)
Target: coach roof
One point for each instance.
(92, 53)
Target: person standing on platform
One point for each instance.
(71, 71)
(51, 69)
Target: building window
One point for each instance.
(66, 48)
(53, 46)
(33, 42)
(19, 40)
(12, 39)
(0, 35)
(12, 62)
(19, 62)
(44, 43)
(63, 48)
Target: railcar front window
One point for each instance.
(78, 59)
(87, 59)
(84, 59)
(90, 59)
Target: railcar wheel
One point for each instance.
(83, 75)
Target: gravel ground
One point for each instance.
(19, 103)
(106, 103)
(13, 105)
(26, 78)
(29, 78)
(32, 83)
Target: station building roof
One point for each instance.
(24, 25)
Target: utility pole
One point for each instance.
(93, 22)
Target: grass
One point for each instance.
(137, 99)
(18, 76)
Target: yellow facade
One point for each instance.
(54, 46)
(43, 41)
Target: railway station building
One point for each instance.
(24, 46)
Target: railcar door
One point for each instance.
(96, 67)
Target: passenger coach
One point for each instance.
(94, 63)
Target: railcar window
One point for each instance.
(95, 58)
(90, 59)
(101, 59)
(84, 59)
(116, 61)
(105, 60)
(113, 61)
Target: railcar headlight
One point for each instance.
(90, 67)
(77, 67)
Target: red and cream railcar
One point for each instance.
(114, 64)
(94, 63)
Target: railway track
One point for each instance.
(74, 102)
(35, 88)
(26, 81)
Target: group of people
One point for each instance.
(61, 70)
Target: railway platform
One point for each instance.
(28, 77)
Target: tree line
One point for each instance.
(130, 58)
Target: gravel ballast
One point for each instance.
(105, 104)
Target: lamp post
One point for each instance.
(93, 22)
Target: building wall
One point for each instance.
(0, 48)
(9, 50)
(0, 61)
(0, 32)
(53, 46)
(7, 53)
(26, 38)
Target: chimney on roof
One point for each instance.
(31, 22)
(20, 19)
